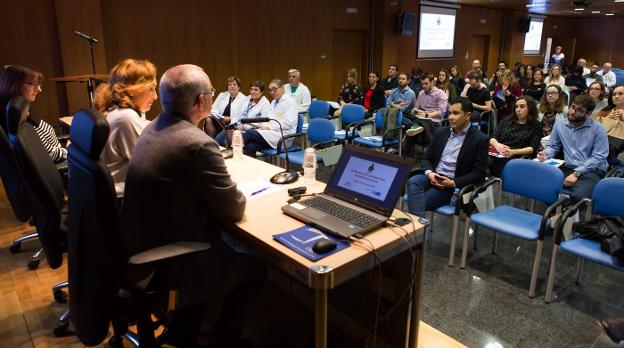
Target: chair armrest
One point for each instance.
(549, 212)
(458, 203)
(359, 125)
(383, 137)
(557, 235)
(482, 188)
(324, 144)
(281, 141)
(167, 252)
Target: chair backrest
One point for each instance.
(41, 177)
(299, 123)
(320, 130)
(379, 122)
(318, 108)
(607, 197)
(95, 241)
(352, 113)
(533, 179)
(11, 175)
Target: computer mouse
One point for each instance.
(324, 245)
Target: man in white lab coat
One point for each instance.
(298, 91)
(267, 135)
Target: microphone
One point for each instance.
(287, 176)
(91, 39)
(227, 152)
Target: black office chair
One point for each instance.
(100, 288)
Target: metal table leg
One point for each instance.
(320, 318)
(415, 305)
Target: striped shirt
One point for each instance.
(48, 137)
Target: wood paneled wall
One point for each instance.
(601, 39)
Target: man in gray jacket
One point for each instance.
(178, 189)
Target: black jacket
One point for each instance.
(378, 99)
(472, 161)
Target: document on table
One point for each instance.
(258, 188)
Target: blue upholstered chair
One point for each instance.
(272, 153)
(527, 178)
(382, 141)
(606, 201)
(350, 116)
(320, 133)
(318, 108)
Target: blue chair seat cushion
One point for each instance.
(590, 250)
(273, 152)
(297, 157)
(511, 221)
(446, 210)
(374, 142)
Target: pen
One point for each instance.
(259, 191)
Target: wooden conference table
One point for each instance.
(264, 218)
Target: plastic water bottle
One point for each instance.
(237, 145)
(454, 198)
(309, 166)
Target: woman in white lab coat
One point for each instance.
(229, 104)
(267, 135)
(254, 105)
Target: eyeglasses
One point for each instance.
(35, 85)
(550, 94)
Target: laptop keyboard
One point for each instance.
(340, 211)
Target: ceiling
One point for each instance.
(553, 7)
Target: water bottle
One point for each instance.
(237, 145)
(309, 166)
(454, 198)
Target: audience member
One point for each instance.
(608, 76)
(124, 99)
(551, 109)
(585, 148)
(612, 118)
(374, 98)
(530, 69)
(558, 57)
(350, 92)
(17, 80)
(444, 83)
(495, 80)
(262, 136)
(431, 102)
(576, 82)
(583, 64)
(476, 65)
(415, 83)
(593, 74)
(502, 65)
(517, 135)
(555, 77)
(598, 93)
(506, 93)
(178, 189)
(391, 81)
(298, 91)
(456, 157)
(228, 106)
(521, 75)
(478, 95)
(535, 88)
(457, 79)
(402, 97)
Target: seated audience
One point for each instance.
(555, 78)
(517, 135)
(478, 95)
(576, 82)
(584, 145)
(228, 105)
(535, 88)
(598, 93)
(593, 74)
(444, 169)
(178, 189)
(124, 99)
(261, 136)
(476, 66)
(530, 69)
(255, 105)
(551, 108)
(444, 84)
(522, 76)
(374, 98)
(391, 81)
(298, 91)
(495, 80)
(505, 94)
(17, 80)
(612, 118)
(608, 76)
(402, 97)
(431, 102)
(350, 92)
(457, 79)
(415, 83)
(583, 64)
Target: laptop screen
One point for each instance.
(369, 178)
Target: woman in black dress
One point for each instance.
(517, 135)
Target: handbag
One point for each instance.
(500, 103)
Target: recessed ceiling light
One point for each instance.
(618, 1)
(579, 9)
(595, 11)
(610, 14)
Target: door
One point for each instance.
(479, 49)
(349, 51)
(568, 46)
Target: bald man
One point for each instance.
(608, 76)
(178, 189)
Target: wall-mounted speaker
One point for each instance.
(405, 23)
(525, 25)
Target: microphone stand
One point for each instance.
(287, 176)
(227, 152)
(90, 85)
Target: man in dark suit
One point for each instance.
(457, 156)
(178, 189)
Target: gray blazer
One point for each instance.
(178, 188)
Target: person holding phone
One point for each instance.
(457, 156)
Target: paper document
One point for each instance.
(258, 188)
(334, 105)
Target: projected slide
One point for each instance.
(436, 34)
(533, 39)
(367, 178)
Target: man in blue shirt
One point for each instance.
(585, 147)
(402, 97)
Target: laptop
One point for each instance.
(360, 195)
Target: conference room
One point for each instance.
(350, 173)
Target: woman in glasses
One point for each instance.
(551, 108)
(17, 81)
(124, 99)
